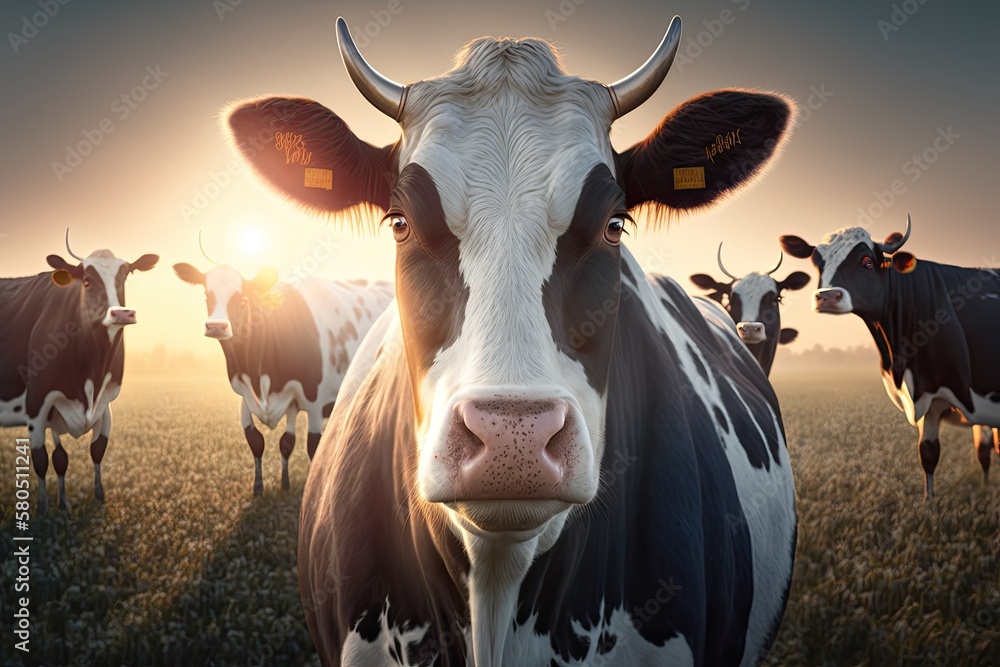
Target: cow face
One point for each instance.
(853, 269)
(100, 278)
(753, 302)
(230, 299)
(508, 206)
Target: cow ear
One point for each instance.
(306, 154)
(904, 262)
(705, 281)
(265, 280)
(796, 246)
(786, 336)
(144, 263)
(64, 271)
(707, 148)
(189, 274)
(795, 281)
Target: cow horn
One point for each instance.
(385, 94)
(718, 256)
(889, 248)
(781, 258)
(628, 93)
(72, 254)
(205, 254)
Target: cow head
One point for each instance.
(853, 269)
(100, 278)
(508, 205)
(231, 300)
(753, 301)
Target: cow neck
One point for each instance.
(245, 353)
(92, 351)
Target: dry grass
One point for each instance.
(182, 566)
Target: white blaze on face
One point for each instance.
(834, 249)
(509, 169)
(222, 283)
(107, 267)
(751, 290)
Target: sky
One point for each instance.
(110, 127)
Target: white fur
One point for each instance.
(107, 266)
(835, 248)
(984, 411)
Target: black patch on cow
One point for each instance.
(606, 643)
(328, 409)
(581, 296)
(720, 417)
(281, 341)
(431, 292)
(702, 371)
(17, 408)
(98, 447)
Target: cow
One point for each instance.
(931, 324)
(753, 302)
(62, 360)
(287, 346)
(539, 456)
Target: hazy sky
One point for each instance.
(147, 183)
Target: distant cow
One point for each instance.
(934, 326)
(62, 356)
(539, 457)
(287, 346)
(753, 302)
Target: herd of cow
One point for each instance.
(493, 487)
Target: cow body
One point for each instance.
(930, 322)
(539, 457)
(62, 362)
(287, 347)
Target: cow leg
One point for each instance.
(98, 445)
(60, 461)
(981, 437)
(39, 461)
(929, 446)
(315, 430)
(287, 444)
(256, 441)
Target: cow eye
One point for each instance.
(400, 228)
(613, 232)
(86, 282)
(244, 301)
(866, 262)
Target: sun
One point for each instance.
(252, 241)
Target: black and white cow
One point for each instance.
(933, 325)
(752, 302)
(539, 457)
(63, 354)
(287, 346)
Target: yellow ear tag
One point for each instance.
(62, 277)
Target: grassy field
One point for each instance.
(182, 566)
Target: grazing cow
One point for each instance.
(63, 354)
(539, 457)
(932, 324)
(753, 305)
(287, 346)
